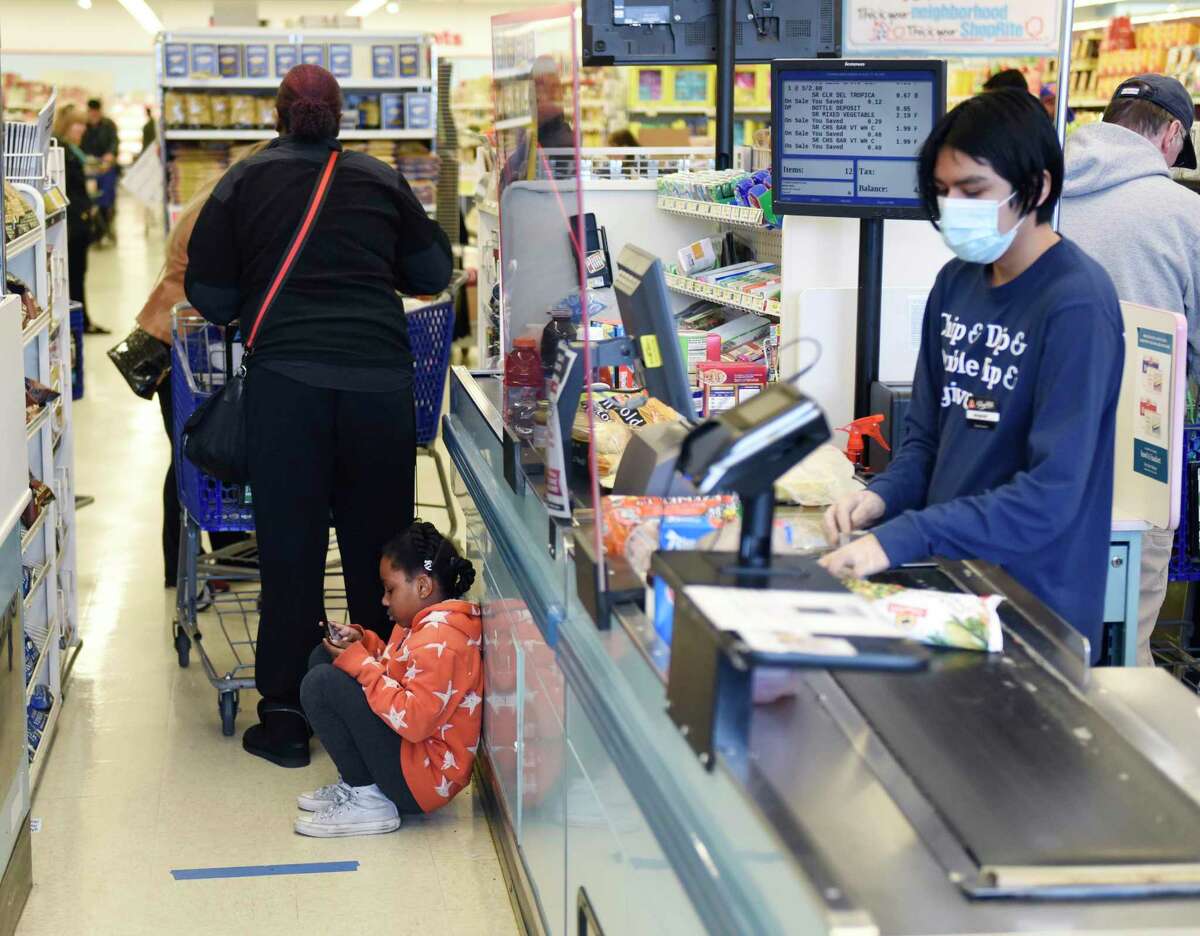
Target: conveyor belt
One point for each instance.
(1031, 780)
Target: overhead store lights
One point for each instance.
(84, 4)
(146, 17)
(392, 7)
(365, 7)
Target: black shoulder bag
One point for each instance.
(214, 437)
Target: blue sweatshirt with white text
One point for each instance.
(1009, 452)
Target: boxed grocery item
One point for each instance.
(313, 53)
(258, 60)
(175, 59)
(204, 59)
(229, 60)
(341, 59)
(748, 327)
(409, 59)
(418, 110)
(699, 346)
(391, 107)
(287, 57)
(718, 373)
(383, 61)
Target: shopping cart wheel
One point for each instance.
(183, 646)
(227, 704)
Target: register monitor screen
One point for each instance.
(646, 316)
(846, 134)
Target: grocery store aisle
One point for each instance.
(141, 782)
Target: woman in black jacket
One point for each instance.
(329, 389)
(68, 130)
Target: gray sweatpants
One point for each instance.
(364, 749)
(1156, 559)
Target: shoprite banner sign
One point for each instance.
(942, 27)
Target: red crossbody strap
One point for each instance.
(301, 235)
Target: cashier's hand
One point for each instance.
(852, 512)
(858, 559)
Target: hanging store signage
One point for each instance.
(946, 27)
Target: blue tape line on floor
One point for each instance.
(316, 867)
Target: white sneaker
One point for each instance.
(329, 795)
(362, 812)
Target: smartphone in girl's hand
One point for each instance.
(332, 631)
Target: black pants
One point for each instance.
(364, 749)
(77, 258)
(170, 499)
(314, 452)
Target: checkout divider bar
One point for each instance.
(706, 863)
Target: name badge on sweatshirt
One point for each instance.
(982, 413)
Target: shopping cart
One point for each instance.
(219, 588)
(199, 352)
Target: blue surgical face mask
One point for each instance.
(971, 228)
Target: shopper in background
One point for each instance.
(1009, 451)
(69, 127)
(1006, 78)
(329, 400)
(399, 719)
(155, 319)
(1121, 206)
(149, 130)
(101, 142)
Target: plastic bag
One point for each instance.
(937, 618)
(819, 480)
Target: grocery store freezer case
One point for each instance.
(865, 803)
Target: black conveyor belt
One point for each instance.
(1022, 771)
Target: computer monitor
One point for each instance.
(684, 32)
(845, 135)
(646, 315)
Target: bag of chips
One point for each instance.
(937, 618)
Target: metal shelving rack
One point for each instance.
(361, 80)
(50, 609)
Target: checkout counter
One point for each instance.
(1020, 792)
(635, 786)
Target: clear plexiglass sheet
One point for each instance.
(543, 282)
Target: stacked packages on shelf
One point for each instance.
(730, 355)
(19, 216)
(734, 187)
(1169, 48)
(193, 167)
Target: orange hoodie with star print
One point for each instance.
(426, 682)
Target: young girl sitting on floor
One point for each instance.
(400, 720)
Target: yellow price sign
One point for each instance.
(651, 355)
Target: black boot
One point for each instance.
(281, 735)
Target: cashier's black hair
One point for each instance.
(1008, 130)
(421, 548)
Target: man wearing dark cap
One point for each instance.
(1122, 207)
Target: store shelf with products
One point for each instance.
(39, 271)
(233, 84)
(686, 286)
(217, 135)
(1106, 52)
(216, 89)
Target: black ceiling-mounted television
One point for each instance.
(658, 32)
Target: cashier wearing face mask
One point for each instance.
(1009, 452)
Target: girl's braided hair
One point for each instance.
(421, 548)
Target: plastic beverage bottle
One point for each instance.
(524, 385)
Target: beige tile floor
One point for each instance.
(140, 780)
